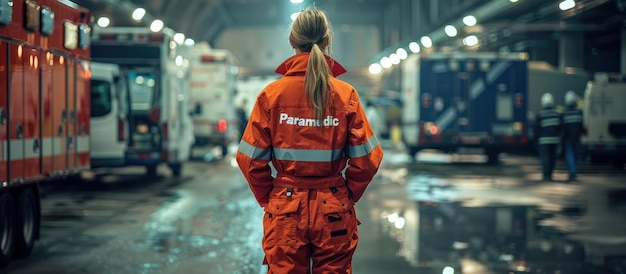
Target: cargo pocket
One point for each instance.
(338, 214)
(280, 221)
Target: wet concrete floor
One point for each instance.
(442, 214)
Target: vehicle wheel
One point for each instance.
(493, 156)
(151, 170)
(27, 222)
(7, 228)
(177, 169)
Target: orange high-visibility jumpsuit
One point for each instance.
(309, 205)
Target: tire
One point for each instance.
(27, 222)
(177, 169)
(7, 228)
(492, 156)
(151, 170)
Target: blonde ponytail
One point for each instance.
(311, 32)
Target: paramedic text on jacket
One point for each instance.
(309, 125)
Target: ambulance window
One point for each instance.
(141, 87)
(6, 11)
(47, 21)
(100, 98)
(32, 16)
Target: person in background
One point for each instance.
(572, 130)
(242, 116)
(312, 128)
(548, 130)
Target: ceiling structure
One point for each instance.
(517, 25)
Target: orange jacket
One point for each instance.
(282, 129)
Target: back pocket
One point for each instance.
(280, 221)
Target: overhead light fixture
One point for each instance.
(470, 41)
(450, 30)
(414, 47)
(179, 38)
(394, 58)
(513, 1)
(426, 41)
(104, 22)
(294, 16)
(296, 1)
(469, 20)
(189, 42)
(138, 14)
(385, 62)
(157, 25)
(567, 4)
(375, 68)
(401, 52)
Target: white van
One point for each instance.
(109, 128)
(604, 119)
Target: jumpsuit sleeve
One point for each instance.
(255, 152)
(364, 151)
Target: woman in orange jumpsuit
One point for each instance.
(310, 126)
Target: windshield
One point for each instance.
(100, 98)
(142, 87)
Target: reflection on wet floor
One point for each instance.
(225, 237)
(460, 218)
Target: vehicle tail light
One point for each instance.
(155, 114)
(120, 130)
(165, 131)
(222, 125)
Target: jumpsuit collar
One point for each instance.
(296, 65)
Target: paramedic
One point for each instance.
(309, 125)
(548, 130)
(572, 129)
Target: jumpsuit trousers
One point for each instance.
(310, 226)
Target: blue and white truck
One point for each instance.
(471, 99)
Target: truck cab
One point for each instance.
(604, 118)
(109, 125)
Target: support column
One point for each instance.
(571, 50)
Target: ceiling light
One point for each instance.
(296, 1)
(513, 1)
(469, 20)
(179, 38)
(426, 42)
(414, 47)
(470, 41)
(450, 30)
(375, 68)
(138, 14)
(385, 62)
(394, 58)
(402, 53)
(294, 16)
(157, 25)
(567, 4)
(104, 22)
(189, 42)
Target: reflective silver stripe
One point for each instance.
(549, 140)
(364, 149)
(17, 149)
(572, 119)
(82, 144)
(308, 155)
(550, 122)
(255, 152)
